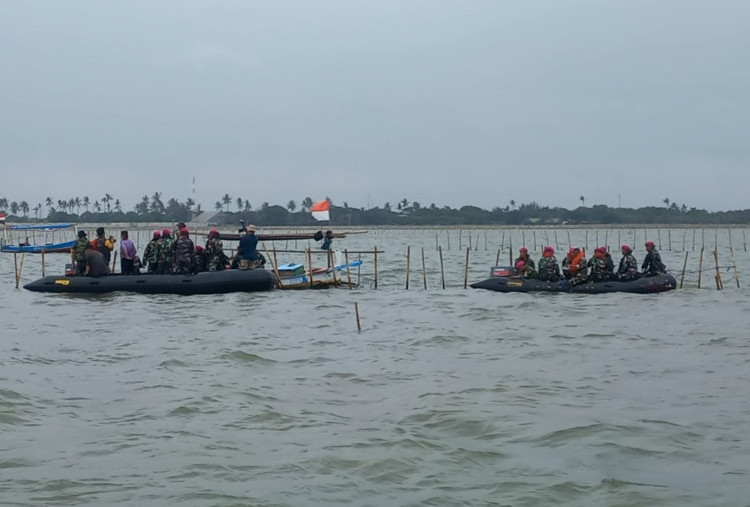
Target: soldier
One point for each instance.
(628, 269)
(598, 265)
(165, 257)
(104, 244)
(183, 251)
(574, 266)
(151, 253)
(523, 255)
(652, 264)
(216, 259)
(524, 270)
(549, 269)
(199, 262)
(78, 253)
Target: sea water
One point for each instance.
(444, 396)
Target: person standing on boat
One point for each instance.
(549, 269)
(248, 249)
(216, 259)
(523, 255)
(652, 264)
(164, 255)
(628, 269)
(151, 253)
(127, 254)
(78, 253)
(183, 251)
(104, 244)
(95, 265)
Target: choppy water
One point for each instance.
(445, 397)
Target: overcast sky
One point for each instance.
(445, 102)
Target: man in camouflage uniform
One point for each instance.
(652, 264)
(628, 269)
(164, 256)
(549, 270)
(524, 270)
(523, 255)
(216, 259)
(78, 253)
(151, 253)
(199, 260)
(183, 251)
(599, 271)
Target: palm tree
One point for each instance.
(86, 202)
(291, 206)
(404, 203)
(24, 206)
(97, 207)
(189, 204)
(48, 203)
(512, 203)
(106, 200)
(226, 200)
(78, 205)
(239, 204)
(14, 208)
(264, 206)
(307, 204)
(62, 205)
(118, 206)
(71, 203)
(156, 205)
(583, 201)
(218, 206)
(36, 210)
(3, 203)
(248, 207)
(666, 201)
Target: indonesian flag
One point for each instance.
(2, 218)
(320, 210)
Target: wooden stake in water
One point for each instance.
(348, 271)
(408, 260)
(442, 270)
(376, 267)
(684, 265)
(459, 239)
(356, 313)
(719, 284)
(700, 268)
(736, 276)
(497, 260)
(309, 266)
(43, 263)
(424, 271)
(466, 271)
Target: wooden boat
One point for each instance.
(215, 282)
(295, 276)
(37, 238)
(230, 236)
(643, 285)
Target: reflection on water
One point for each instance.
(445, 397)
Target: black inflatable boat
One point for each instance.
(643, 285)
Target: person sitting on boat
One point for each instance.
(549, 269)
(327, 241)
(127, 254)
(216, 259)
(78, 253)
(574, 266)
(199, 260)
(628, 268)
(652, 264)
(599, 271)
(248, 249)
(104, 244)
(164, 255)
(150, 254)
(523, 255)
(524, 270)
(183, 252)
(95, 265)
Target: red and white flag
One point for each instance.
(2, 218)
(320, 210)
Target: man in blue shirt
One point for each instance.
(248, 248)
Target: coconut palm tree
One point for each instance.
(118, 206)
(307, 204)
(226, 200)
(48, 203)
(291, 206)
(86, 202)
(248, 207)
(3, 203)
(218, 206)
(583, 201)
(14, 208)
(666, 201)
(239, 203)
(156, 205)
(24, 207)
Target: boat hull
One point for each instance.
(644, 285)
(216, 282)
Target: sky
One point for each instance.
(452, 103)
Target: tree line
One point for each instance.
(230, 210)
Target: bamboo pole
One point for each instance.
(734, 263)
(436, 241)
(424, 271)
(669, 234)
(309, 266)
(587, 240)
(510, 253)
(719, 284)
(557, 243)
(497, 260)
(466, 271)
(744, 241)
(460, 233)
(114, 260)
(408, 261)
(442, 270)
(15, 267)
(684, 265)
(356, 313)
(700, 268)
(658, 237)
(448, 234)
(376, 266)
(43, 275)
(348, 271)
(274, 265)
